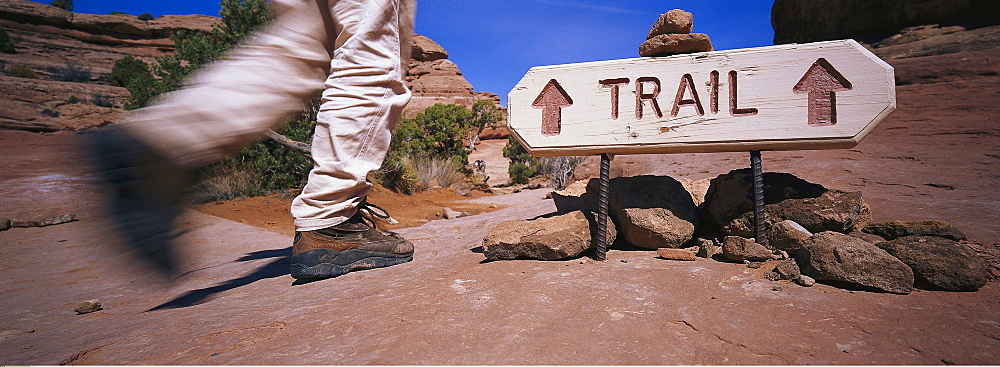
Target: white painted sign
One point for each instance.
(823, 95)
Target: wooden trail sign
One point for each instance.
(823, 95)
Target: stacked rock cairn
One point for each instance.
(671, 35)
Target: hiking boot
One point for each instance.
(146, 192)
(349, 246)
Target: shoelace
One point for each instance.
(372, 213)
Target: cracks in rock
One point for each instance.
(740, 345)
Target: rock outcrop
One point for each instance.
(800, 21)
(671, 35)
(836, 257)
(939, 263)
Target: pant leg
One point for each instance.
(363, 98)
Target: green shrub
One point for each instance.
(63, 4)
(145, 17)
(428, 149)
(22, 72)
(397, 174)
(6, 44)
(115, 12)
(523, 166)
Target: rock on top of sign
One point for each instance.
(675, 21)
(671, 35)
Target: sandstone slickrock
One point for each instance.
(728, 206)
(896, 229)
(676, 254)
(837, 257)
(651, 211)
(737, 248)
(673, 21)
(554, 238)
(673, 44)
(939, 262)
(787, 236)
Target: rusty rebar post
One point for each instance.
(758, 196)
(602, 208)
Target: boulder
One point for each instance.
(837, 257)
(554, 238)
(674, 21)
(787, 236)
(697, 188)
(868, 237)
(897, 229)
(738, 249)
(939, 263)
(576, 196)
(673, 44)
(675, 254)
(651, 211)
(804, 280)
(728, 206)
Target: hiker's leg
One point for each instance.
(363, 98)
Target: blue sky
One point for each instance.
(494, 42)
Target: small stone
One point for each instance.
(453, 214)
(676, 254)
(755, 265)
(624, 261)
(805, 281)
(787, 269)
(738, 248)
(88, 307)
(5, 224)
(707, 248)
(674, 21)
(776, 288)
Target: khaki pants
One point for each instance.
(359, 47)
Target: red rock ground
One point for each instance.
(937, 157)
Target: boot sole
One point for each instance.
(325, 263)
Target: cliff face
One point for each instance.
(799, 21)
(49, 40)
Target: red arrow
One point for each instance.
(822, 82)
(551, 100)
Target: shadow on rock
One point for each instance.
(273, 269)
